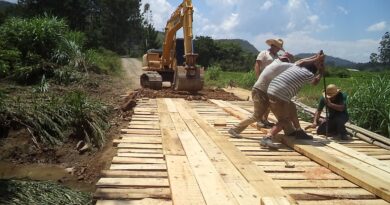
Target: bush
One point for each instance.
(248, 80)
(35, 36)
(369, 106)
(213, 73)
(66, 75)
(103, 61)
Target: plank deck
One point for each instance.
(178, 152)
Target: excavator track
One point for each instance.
(152, 80)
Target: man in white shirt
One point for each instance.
(264, 59)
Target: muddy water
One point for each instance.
(42, 173)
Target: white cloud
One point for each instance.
(267, 5)
(231, 22)
(342, 10)
(298, 42)
(313, 19)
(161, 11)
(377, 27)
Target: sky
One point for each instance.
(349, 29)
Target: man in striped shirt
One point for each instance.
(285, 86)
(259, 93)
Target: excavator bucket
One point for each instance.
(189, 79)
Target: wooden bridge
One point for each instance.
(178, 152)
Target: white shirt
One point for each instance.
(266, 58)
(270, 72)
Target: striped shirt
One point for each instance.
(287, 84)
(269, 73)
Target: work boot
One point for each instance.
(233, 133)
(302, 135)
(343, 137)
(267, 142)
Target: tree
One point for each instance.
(206, 48)
(384, 49)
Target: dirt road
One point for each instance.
(133, 70)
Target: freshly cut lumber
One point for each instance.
(140, 155)
(355, 174)
(145, 201)
(185, 189)
(143, 146)
(139, 140)
(135, 160)
(330, 193)
(138, 131)
(346, 201)
(136, 150)
(132, 193)
(314, 183)
(132, 182)
(171, 142)
(256, 177)
(138, 167)
(303, 176)
(274, 201)
(133, 174)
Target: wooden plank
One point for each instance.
(274, 201)
(133, 174)
(314, 183)
(138, 131)
(139, 135)
(135, 160)
(132, 193)
(171, 107)
(161, 167)
(330, 193)
(360, 156)
(185, 189)
(372, 183)
(281, 163)
(132, 182)
(171, 142)
(279, 158)
(139, 140)
(278, 175)
(346, 201)
(134, 150)
(146, 201)
(256, 177)
(149, 127)
(142, 146)
(237, 184)
(140, 155)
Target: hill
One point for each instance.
(330, 60)
(4, 5)
(245, 45)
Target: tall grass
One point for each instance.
(51, 120)
(369, 105)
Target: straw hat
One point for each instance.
(288, 56)
(276, 42)
(331, 91)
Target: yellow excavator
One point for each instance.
(176, 62)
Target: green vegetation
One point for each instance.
(32, 192)
(51, 119)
